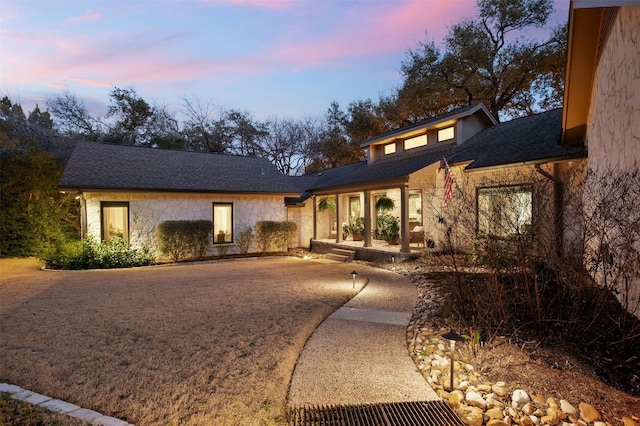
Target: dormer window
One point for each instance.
(390, 148)
(415, 142)
(446, 134)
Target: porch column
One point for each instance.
(404, 220)
(315, 219)
(367, 218)
(338, 225)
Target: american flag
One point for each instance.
(449, 180)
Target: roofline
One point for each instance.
(421, 125)
(556, 159)
(77, 190)
(362, 186)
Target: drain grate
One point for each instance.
(431, 413)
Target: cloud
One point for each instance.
(264, 4)
(90, 15)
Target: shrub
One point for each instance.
(274, 234)
(181, 238)
(87, 254)
(244, 239)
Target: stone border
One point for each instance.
(61, 407)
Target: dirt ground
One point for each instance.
(206, 343)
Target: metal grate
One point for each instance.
(431, 413)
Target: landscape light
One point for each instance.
(353, 274)
(452, 337)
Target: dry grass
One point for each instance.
(209, 343)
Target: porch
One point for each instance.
(379, 251)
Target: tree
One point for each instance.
(131, 117)
(72, 117)
(484, 60)
(333, 147)
(287, 142)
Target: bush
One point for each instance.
(274, 234)
(87, 254)
(181, 238)
(244, 239)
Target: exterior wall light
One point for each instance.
(452, 337)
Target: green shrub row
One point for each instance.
(274, 236)
(88, 254)
(184, 239)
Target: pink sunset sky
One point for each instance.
(284, 58)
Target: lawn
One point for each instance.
(206, 343)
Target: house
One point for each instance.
(522, 159)
(128, 191)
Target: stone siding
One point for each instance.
(146, 211)
(613, 131)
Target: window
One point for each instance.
(222, 223)
(415, 208)
(415, 142)
(115, 220)
(390, 148)
(446, 134)
(354, 207)
(504, 211)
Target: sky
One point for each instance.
(271, 58)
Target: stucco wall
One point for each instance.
(613, 130)
(146, 211)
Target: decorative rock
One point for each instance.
(455, 398)
(528, 409)
(499, 389)
(552, 402)
(497, 422)
(550, 420)
(535, 420)
(494, 413)
(627, 421)
(539, 400)
(474, 399)
(599, 424)
(471, 416)
(588, 412)
(556, 413)
(520, 397)
(566, 407)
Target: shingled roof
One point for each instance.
(530, 139)
(96, 166)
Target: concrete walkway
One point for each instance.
(358, 355)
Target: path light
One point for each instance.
(353, 274)
(452, 337)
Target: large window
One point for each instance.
(415, 142)
(115, 220)
(222, 223)
(415, 208)
(504, 211)
(446, 134)
(354, 207)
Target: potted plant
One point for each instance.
(388, 229)
(385, 204)
(356, 228)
